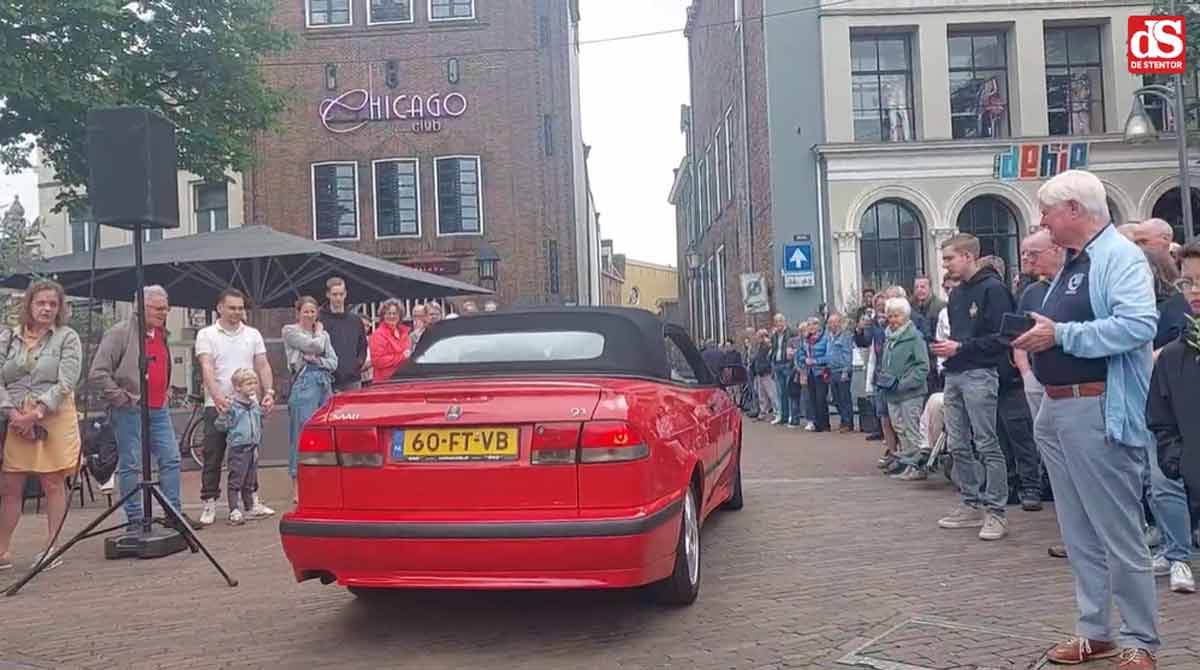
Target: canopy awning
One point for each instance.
(272, 268)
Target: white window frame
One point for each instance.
(412, 15)
(312, 196)
(321, 26)
(437, 200)
(710, 280)
(375, 200)
(721, 292)
(718, 142)
(702, 198)
(713, 211)
(729, 153)
(195, 200)
(87, 235)
(429, 8)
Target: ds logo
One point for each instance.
(1157, 45)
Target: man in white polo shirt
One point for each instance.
(222, 348)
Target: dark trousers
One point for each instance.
(243, 476)
(818, 401)
(1015, 426)
(843, 400)
(214, 457)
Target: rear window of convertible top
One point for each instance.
(514, 347)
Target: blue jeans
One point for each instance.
(783, 383)
(971, 398)
(842, 398)
(1169, 503)
(127, 425)
(310, 391)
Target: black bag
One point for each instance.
(99, 448)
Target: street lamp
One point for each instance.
(693, 261)
(1139, 128)
(487, 262)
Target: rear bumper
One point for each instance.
(569, 553)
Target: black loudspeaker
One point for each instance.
(132, 168)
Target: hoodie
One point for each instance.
(1171, 411)
(349, 340)
(976, 308)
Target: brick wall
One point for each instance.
(514, 72)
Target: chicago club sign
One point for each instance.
(353, 109)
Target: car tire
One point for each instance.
(682, 587)
(735, 501)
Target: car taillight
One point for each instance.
(358, 447)
(347, 447)
(316, 447)
(554, 444)
(611, 442)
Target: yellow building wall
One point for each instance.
(646, 284)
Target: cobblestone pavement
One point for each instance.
(829, 565)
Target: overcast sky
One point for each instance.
(632, 90)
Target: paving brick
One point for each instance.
(825, 560)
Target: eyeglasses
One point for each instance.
(1186, 285)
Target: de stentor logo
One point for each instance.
(1157, 45)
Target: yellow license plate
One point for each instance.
(455, 444)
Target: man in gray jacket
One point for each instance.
(115, 374)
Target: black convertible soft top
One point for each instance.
(633, 342)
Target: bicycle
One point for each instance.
(191, 441)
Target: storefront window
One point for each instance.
(893, 245)
(397, 199)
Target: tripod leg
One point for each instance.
(188, 534)
(53, 556)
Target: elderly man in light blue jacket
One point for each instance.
(1091, 349)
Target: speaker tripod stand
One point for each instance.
(145, 541)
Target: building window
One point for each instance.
(893, 246)
(82, 228)
(152, 234)
(329, 13)
(720, 283)
(1169, 207)
(451, 10)
(211, 208)
(714, 185)
(335, 201)
(1074, 81)
(882, 84)
(719, 167)
(992, 220)
(729, 154)
(979, 85)
(397, 198)
(550, 248)
(390, 11)
(459, 199)
(703, 193)
(548, 134)
(1162, 114)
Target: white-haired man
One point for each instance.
(1091, 349)
(116, 375)
(1155, 235)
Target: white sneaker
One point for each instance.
(1160, 565)
(236, 517)
(108, 486)
(777, 421)
(209, 514)
(810, 426)
(259, 510)
(1181, 578)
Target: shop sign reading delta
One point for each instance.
(350, 111)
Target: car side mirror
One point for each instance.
(733, 375)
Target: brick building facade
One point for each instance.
(434, 133)
(723, 200)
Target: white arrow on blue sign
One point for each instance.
(797, 258)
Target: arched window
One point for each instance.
(993, 221)
(893, 245)
(1170, 208)
(1115, 214)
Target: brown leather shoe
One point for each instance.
(1137, 659)
(1081, 650)
(1057, 551)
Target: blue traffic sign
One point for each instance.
(797, 258)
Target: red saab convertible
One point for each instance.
(548, 449)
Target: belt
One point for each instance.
(1086, 390)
